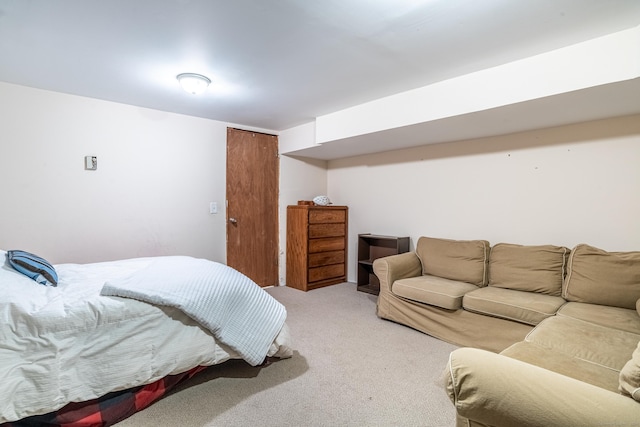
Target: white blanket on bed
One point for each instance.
(227, 303)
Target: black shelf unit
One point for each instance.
(370, 248)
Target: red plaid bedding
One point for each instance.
(108, 409)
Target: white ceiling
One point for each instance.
(278, 64)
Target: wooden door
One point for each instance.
(252, 205)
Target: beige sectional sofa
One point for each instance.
(550, 336)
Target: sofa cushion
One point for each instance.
(433, 290)
(611, 317)
(462, 260)
(630, 376)
(525, 307)
(597, 344)
(528, 268)
(599, 277)
(564, 364)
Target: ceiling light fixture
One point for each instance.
(193, 83)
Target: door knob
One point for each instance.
(233, 220)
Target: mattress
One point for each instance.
(70, 344)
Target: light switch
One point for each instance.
(213, 208)
(90, 163)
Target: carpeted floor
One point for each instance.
(350, 368)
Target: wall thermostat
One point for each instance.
(90, 163)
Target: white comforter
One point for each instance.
(69, 344)
(230, 305)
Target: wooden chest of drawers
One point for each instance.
(316, 246)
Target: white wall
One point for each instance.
(563, 186)
(157, 173)
(300, 179)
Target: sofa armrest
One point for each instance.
(499, 391)
(396, 267)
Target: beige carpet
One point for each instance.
(350, 368)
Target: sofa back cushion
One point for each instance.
(528, 268)
(462, 260)
(596, 276)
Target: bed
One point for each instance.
(112, 327)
